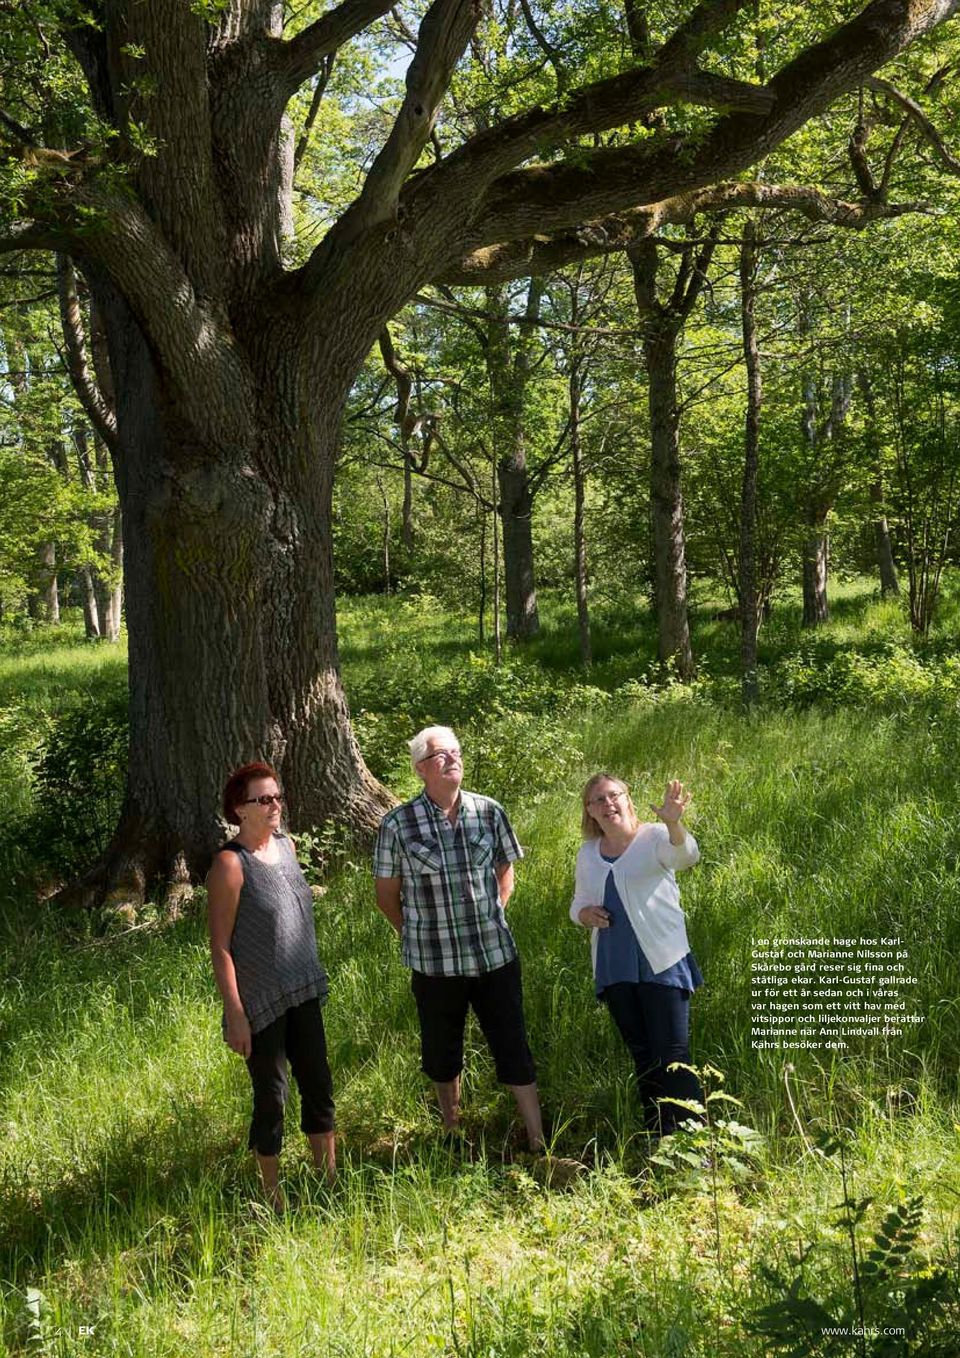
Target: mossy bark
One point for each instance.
(228, 576)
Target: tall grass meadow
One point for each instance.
(825, 1194)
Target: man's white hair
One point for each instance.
(418, 746)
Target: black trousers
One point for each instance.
(496, 998)
(654, 1022)
(298, 1037)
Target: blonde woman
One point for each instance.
(626, 893)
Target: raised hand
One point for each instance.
(675, 802)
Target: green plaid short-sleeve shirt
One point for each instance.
(453, 922)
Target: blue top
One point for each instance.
(620, 957)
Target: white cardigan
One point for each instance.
(644, 875)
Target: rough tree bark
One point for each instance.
(508, 369)
(232, 370)
(229, 610)
(662, 323)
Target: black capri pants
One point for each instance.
(496, 998)
(298, 1037)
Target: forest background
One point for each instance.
(682, 502)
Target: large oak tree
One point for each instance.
(231, 369)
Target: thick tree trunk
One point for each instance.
(579, 532)
(232, 636)
(816, 559)
(749, 603)
(666, 501)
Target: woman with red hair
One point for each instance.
(264, 949)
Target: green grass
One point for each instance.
(126, 1193)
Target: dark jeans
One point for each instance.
(654, 1022)
(298, 1037)
(497, 1000)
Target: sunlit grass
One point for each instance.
(127, 1198)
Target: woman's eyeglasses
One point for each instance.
(265, 799)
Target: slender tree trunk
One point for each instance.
(662, 324)
(101, 589)
(111, 601)
(886, 566)
(823, 431)
(666, 502)
(230, 615)
(482, 607)
(91, 613)
(497, 636)
(406, 531)
(508, 369)
(385, 535)
(749, 602)
(47, 605)
(579, 533)
(816, 561)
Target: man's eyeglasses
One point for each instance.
(606, 797)
(265, 799)
(452, 756)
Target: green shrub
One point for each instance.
(78, 778)
(893, 676)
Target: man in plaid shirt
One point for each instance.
(444, 872)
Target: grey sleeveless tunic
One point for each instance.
(274, 943)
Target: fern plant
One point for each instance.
(889, 1300)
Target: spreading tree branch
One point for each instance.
(947, 159)
(323, 80)
(101, 416)
(299, 58)
(552, 54)
(190, 338)
(594, 108)
(544, 253)
(445, 32)
(546, 198)
(35, 236)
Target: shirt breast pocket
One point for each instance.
(481, 851)
(424, 857)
